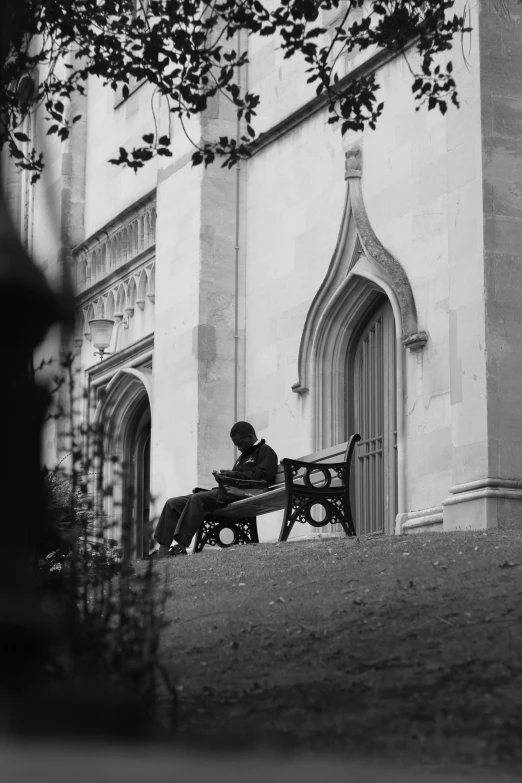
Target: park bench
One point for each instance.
(314, 489)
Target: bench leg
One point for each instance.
(298, 510)
(347, 520)
(286, 528)
(245, 532)
(254, 538)
(200, 541)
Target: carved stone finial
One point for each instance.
(415, 342)
(298, 388)
(353, 162)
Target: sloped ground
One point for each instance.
(408, 649)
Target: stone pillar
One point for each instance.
(194, 343)
(487, 491)
(175, 366)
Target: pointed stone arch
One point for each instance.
(358, 254)
(131, 296)
(89, 315)
(151, 291)
(121, 297)
(124, 407)
(79, 321)
(109, 305)
(142, 290)
(123, 391)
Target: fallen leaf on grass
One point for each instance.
(506, 564)
(444, 621)
(439, 565)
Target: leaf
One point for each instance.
(164, 140)
(148, 138)
(21, 136)
(507, 564)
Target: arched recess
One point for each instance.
(142, 290)
(109, 305)
(363, 278)
(121, 298)
(89, 315)
(358, 251)
(123, 418)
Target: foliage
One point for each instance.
(193, 50)
(109, 608)
(69, 512)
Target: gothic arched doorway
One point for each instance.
(124, 418)
(136, 476)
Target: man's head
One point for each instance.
(243, 435)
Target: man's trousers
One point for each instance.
(182, 517)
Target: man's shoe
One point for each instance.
(177, 550)
(159, 554)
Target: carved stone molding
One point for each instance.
(412, 337)
(356, 241)
(117, 300)
(130, 235)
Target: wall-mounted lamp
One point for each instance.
(102, 330)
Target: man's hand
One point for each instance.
(224, 472)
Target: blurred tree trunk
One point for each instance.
(28, 308)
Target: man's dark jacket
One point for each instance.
(258, 462)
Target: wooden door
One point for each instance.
(375, 419)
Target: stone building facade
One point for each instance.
(329, 284)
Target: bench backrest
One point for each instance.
(331, 454)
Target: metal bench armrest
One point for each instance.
(332, 493)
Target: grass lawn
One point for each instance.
(408, 649)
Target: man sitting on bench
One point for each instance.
(183, 516)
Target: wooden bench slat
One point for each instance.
(273, 500)
(326, 455)
(245, 511)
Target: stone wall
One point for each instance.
(501, 86)
(239, 256)
(423, 191)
